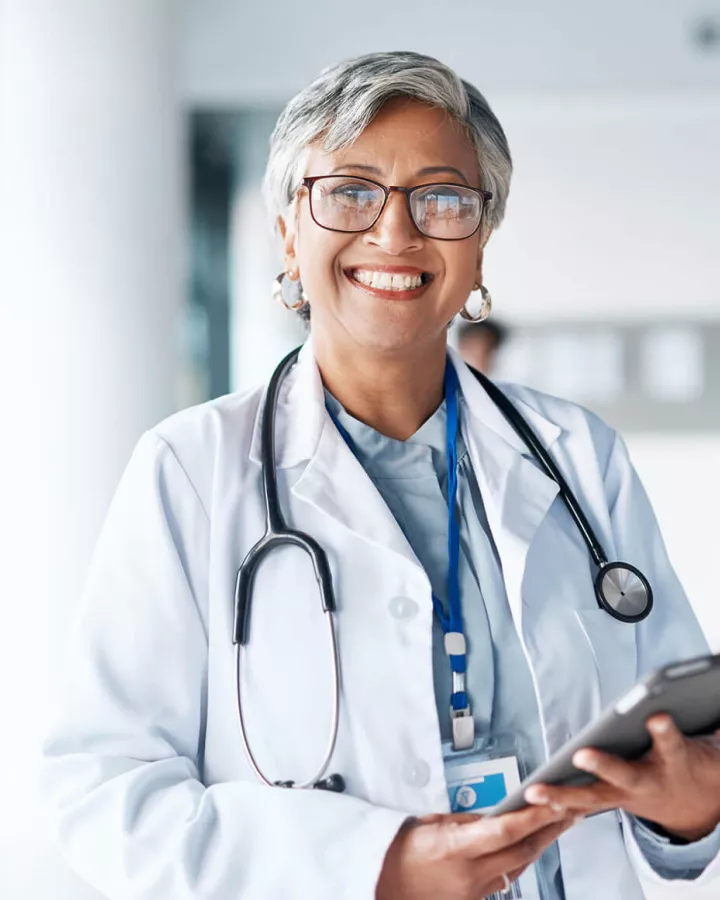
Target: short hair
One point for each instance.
(345, 98)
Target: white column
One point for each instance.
(91, 296)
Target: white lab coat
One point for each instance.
(144, 769)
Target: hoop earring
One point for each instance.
(279, 295)
(485, 306)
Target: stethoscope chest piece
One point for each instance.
(624, 592)
(621, 589)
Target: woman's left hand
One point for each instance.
(676, 785)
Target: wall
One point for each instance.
(613, 116)
(233, 52)
(615, 130)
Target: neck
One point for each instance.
(392, 392)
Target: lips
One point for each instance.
(392, 282)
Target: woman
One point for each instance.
(387, 177)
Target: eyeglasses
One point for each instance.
(444, 212)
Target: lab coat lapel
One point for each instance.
(517, 494)
(336, 484)
(517, 497)
(333, 481)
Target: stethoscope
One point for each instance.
(621, 589)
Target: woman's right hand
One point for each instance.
(464, 857)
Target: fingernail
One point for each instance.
(533, 795)
(584, 760)
(555, 807)
(661, 726)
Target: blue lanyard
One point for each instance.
(450, 621)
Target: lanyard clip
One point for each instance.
(461, 719)
(463, 728)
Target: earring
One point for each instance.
(478, 315)
(279, 295)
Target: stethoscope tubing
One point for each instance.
(595, 548)
(275, 519)
(334, 725)
(528, 436)
(278, 534)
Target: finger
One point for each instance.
(668, 741)
(497, 886)
(608, 768)
(581, 799)
(512, 876)
(518, 857)
(439, 818)
(491, 834)
(515, 873)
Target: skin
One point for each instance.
(675, 785)
(383, 359)
(463, 857)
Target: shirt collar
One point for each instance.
(301, 416)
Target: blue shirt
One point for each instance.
(411, 476)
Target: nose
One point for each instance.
(394, 232)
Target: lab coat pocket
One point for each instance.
(614, 649)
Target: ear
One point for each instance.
(289, 239)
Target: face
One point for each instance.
(407, 144)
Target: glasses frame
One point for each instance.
(485, 196)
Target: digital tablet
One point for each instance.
(689, 691)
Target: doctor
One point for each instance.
(387, 177)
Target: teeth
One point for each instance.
(386, 282)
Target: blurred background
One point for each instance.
(136, 261)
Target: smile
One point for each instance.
(400, 283)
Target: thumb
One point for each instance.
(441, 818)
(462, 818)
(464, 831)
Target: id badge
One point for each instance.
(481, 777)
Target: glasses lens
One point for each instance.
(446, 211)
(342, 203)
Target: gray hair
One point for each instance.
(345, 98)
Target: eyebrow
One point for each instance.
(428, 170)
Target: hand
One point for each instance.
(675, 785)
(464, 857)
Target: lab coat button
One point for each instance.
(403, 608)
(416, 772)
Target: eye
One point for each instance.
(352, 193)
(448, 199)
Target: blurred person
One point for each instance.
(457, 595)
(479, 343)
